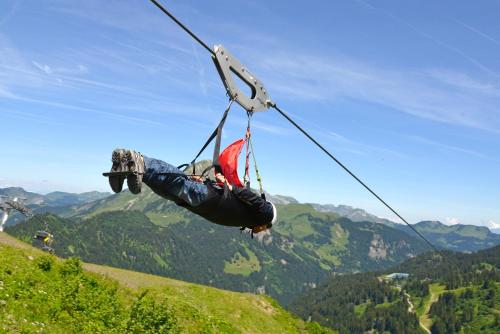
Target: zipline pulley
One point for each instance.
(227, 65)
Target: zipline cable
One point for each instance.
(186, 29)
(349, 172)
(273, 105)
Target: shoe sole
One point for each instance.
(134, 183)
(117, 175)
(134, 180)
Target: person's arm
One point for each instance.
(263, 208)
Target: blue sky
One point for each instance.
(407, 94)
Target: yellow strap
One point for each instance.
(255, 166)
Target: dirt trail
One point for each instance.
(425, 319)
(411, 309)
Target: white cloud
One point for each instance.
(469, 102)
(273, 129)
(44, 68)
(452, 221)
(430, 37)
(359, 147)
(492, 224)
(5, 93)
(464, 82)
(477, 31)
(449, 147)
(75, 70)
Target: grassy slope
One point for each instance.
(483, 313)
(300, 251)
(434, 291)
(196, 308)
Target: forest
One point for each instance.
(357, 303)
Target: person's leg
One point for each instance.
(170, 182)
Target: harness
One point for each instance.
(227, 162)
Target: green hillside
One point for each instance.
(152, 235)
(337, 243)
(471, 309)
(357, 304)
(41, 294)
(447, 293)
(460, 238)
(52, 202)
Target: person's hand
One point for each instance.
(196, 178)
(220, 178)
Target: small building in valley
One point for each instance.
(397, 276)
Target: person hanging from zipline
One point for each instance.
(224, 201)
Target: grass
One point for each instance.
(485, 312)
(360, 309)
(338, 242)
(298, 227)
(31, 300)
(327, 252)
(473, 231)
(385, 304)
(435, 290)
(240, 265)
(340, 237)
(294, 221)
(163, 219)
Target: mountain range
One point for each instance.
(56, 202)
(301, 254)
(354, 214)
(459, 237)
(147, 233)
(51, 202)
(306, 246)
(52, 199)
(468, 238)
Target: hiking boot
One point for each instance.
(116, 180)
(135, 165)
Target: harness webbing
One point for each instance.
(259, 179)
(215, 160)
(246, 178)
(216, 134)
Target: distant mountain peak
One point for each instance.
(459, 237)
(354, 214)
(280, 199)
(431, 223)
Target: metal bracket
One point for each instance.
(227, 66)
